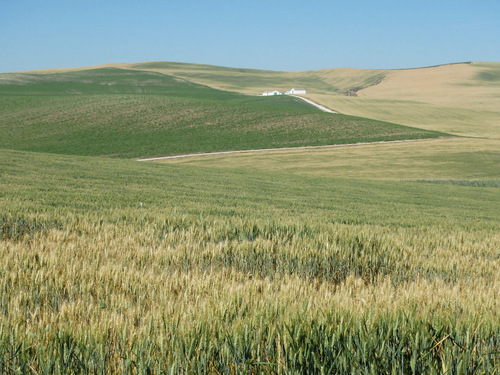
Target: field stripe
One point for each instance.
(283, 149)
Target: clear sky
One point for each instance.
(273, 34)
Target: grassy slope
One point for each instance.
(251, 81)
(128, 113)
(462, 99)
(457, 98)
(120, 265)
(68, 180)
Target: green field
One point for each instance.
(111, 266)
(124, 113)
(379, 259)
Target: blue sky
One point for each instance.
(273, 34)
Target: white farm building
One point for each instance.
(296, 92)
(291, 92)
(271, 93)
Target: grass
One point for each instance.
(457, 98)
(153, 268)
(362, 260)
(475, 183)
(248, 81)
(123, 113)
(439, 159)
(252, 81)
(459, 120)
(461, 99)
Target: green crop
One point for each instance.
(123, 113)
(127, 267)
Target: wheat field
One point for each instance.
(375, 259)
(111, 266)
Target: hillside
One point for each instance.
(129, 113)
(457, 98)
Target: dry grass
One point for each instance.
(451, 98)
(448, 86)
(455, 158)
(454, 120)
(78, 69)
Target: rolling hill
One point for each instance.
(456, 98)
(137, 113)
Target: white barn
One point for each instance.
(291, 92)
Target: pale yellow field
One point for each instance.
(457, 120)
(77, 69)
(451, 158)
(450, 98)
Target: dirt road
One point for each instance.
(319, 106)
